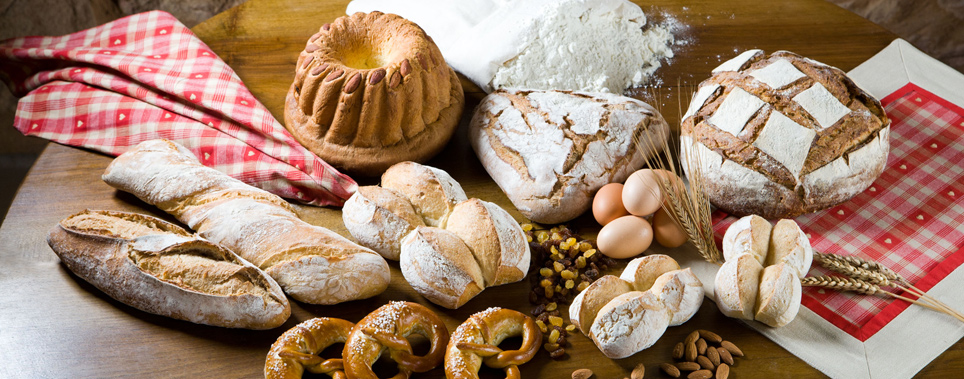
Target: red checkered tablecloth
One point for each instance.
(148, 76)
(910, 219)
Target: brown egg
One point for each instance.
(625, 237)
(641, 194)
(607, 205)
(666, 231)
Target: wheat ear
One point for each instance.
(840, 283)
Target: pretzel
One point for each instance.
(297, 349)
(477, 341)
(386, 329)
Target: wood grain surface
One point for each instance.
(53, 324)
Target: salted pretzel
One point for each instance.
(477, 341)
(386, 329)
(297, 349)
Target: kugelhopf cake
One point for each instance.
(372, 90)
(781, 135)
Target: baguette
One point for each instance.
(312, 264)
(160, 268)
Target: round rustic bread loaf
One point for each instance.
(372, 90)
(782, 135)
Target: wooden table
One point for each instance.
(53, 324)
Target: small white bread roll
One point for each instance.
(762, 281)
(496, 240)
(779, 297)
(611, 301)
(379, 218)
(587, 304)
(432, 192)
(629, 323)
(440, 267)
(737, 284)
(681, 292)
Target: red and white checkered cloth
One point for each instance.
(910, 219)
(148, 76)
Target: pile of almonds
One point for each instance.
(562, 265)
(704, 355)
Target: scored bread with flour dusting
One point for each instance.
(160, 268)
(781, 135)
(312, 264)
(550, 151)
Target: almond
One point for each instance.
(334, 75)
(705, 362)
(638, 372)
(395, 80)
(713, 355)
(353, 83)
(583, 373)
(729, 346)
(725, 356)
(687, 366)
(678, 351)
(691, 352)
(701, 346)
(701, 374)
(710, 336)
(406, 67)
(692, 337)
(723, 371)
(377, 76)
(670, 369)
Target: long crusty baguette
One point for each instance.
(312, 264)
(160, 268)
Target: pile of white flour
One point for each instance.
(584, 45)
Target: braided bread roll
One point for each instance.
(312, 264)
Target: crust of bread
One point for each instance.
(495, 238)
(432, 192)
(681, 292)
(629, 323)
(643, 271)
(440, 266)
(736, 286)
(748, 235)
(160, 268)
(587, 304)
(780, 293)
(379, 218)
(788, 243)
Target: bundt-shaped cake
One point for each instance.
(372, 90)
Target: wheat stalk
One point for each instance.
(689, 206)
(874, 273)
(867, 288)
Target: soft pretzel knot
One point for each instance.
(477, 341)
(297, 349)
(386, 329)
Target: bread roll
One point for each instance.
(737, 284)
(681, 292)
(160, 268)
(779, 297)
(432, 192)
(440, 267)
(629, 323)
(416, 196)
(496, 240)
(764, 287)
(643, 271)
(312, 264)
(379, 218)
(781, 135)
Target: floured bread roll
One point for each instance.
(782, 135)
(550, 151)
(626, 314)
(449, 247)
(760, 279)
